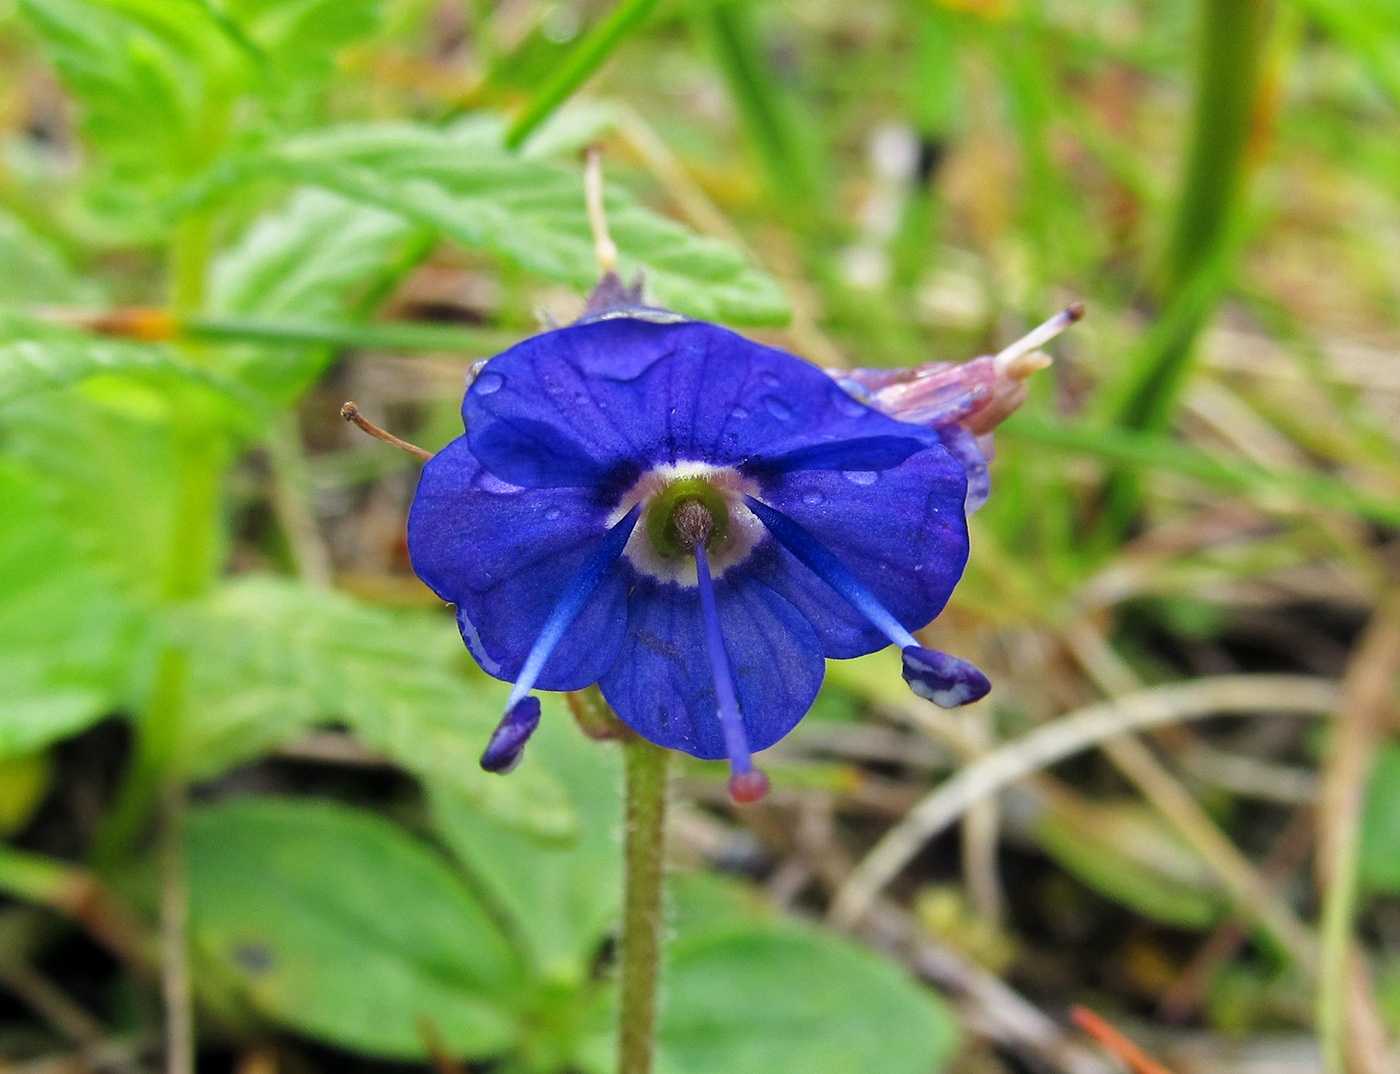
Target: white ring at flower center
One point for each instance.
(745, 530)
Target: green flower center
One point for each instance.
(687, 513)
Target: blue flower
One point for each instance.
(694, 522)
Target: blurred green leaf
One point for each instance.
(155, 81)
(1370, 29)
(1379, 859)
(270, 658)
(1127, 853)
(25, 781)
(581, 61)
(60, 359)
(314, 260)
(64, 631)
(756, 999)
(563, 898)
(341, 926)
(462, 182)
(308, 261)
(33, 271)
(112, 451)
(299, 39)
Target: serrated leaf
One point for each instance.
(563, 896)
(340, 925)
(65, 633)
(307, 261)
(54, 361)
(312, 260)
(463, 183)
(33, 271)
(572, 129)
(270, 658)
(151, 76)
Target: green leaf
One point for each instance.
(308, 262)
(315, 260)
(563, 897)
(1128, 854)
(1379, 860)
(65, 633)
(155, 81)
(270, 658)
(33, 271)
(755, 998)
(299, 39)
(464, 184)
(339, 925)
(114, 451)
(59, 359)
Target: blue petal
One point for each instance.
(863, 453)
(661, 685)
(901, 532)
(504, 556)
(586, 403)
(963, 446)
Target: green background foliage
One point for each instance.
(284, 180)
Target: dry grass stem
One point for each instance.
(1348, 1023)
(1064, 737)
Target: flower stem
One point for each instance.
(641, 906)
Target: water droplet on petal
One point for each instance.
(771, 379)
(739, 412)
(812, 496)
(489, 382)
(860, 477)
(777, 407)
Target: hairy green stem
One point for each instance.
(642, 904)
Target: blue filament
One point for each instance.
(816, 556)
(736, 743)
(575, 596)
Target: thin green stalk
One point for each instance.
(640, 965)
(292, 500)
(1149, 451)
(1229, 77)
(398, 337)
(773, 125)
(1230, 102)
(174, 933)
(1367, 696)
(189, 262)
(585, 58)
(33, 877)
(1230, 85)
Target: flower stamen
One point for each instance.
(746, 783)
(945, 680)
(507, 743)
